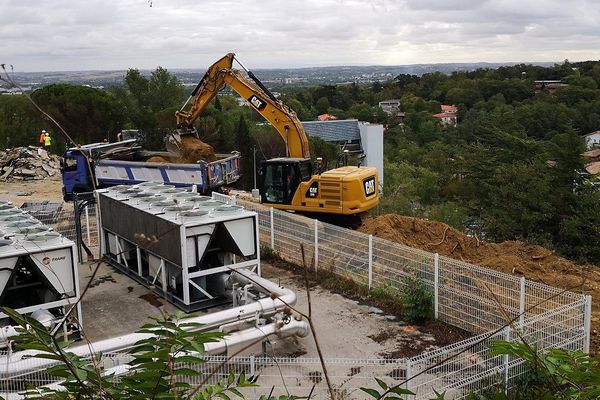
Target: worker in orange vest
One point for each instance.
(43, 138)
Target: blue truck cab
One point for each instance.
(100, 165)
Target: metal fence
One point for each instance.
(468, 296)
(476, 299)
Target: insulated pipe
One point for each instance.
(21, 362)
(237, 340)
(254, 335)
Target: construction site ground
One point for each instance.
(514, 257)
(116, 305)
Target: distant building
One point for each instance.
(593, 168)
(326, 117)
(355, 136)
(390, 106)
(241, 101)
(448, 115)
(592, 155)
(592, 140)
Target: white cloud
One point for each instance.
(118, 34)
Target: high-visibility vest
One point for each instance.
(47, 141)
(42, 138)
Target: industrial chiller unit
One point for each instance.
(182, 244)
(38, 274)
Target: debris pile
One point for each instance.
(27, 163)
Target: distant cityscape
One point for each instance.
(274, 78)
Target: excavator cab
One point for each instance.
(280, 178)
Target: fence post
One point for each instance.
(408, 375)
(253, 372)
(507, 338)
(370, 261)
(522, 302)
(587, 320)
(252, 365)
(436, 285)
(272, 230)
(87, 224)
(316, 244)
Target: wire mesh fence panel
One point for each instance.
(540, 298)
(343, 252)
(303, 376)
(291, 232)
(453, 367)
(563, 327)
(474, 298)
(393, 263)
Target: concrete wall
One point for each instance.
(371, 137)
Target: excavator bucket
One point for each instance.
(173, 142)
(173, 139)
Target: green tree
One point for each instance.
(322, 105)
(87, 114)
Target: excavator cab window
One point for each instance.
(279, 181)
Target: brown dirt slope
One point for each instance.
(514, 257)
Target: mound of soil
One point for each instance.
(193, 150)
(158, 159)
(514, 257)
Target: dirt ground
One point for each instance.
(347, 328)
(514, 257)
(19, 192)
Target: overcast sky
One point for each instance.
(44, 35)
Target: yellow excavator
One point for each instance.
(292, 183)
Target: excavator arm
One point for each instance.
(278, 114)
(204, 92)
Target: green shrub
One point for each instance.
(417, 300)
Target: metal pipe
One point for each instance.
(232, 341)
(278, 299)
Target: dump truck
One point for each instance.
(99, 165)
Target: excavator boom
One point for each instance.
(278, 114)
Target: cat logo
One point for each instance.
(369, 185)
(313, 191)
(257, 102)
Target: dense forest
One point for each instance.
(511, 169)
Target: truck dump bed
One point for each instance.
(206, 176)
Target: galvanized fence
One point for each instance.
(476, 299)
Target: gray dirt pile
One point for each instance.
(28, 163)
(513, 257)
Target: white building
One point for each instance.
(592, 140)
(390, 106)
